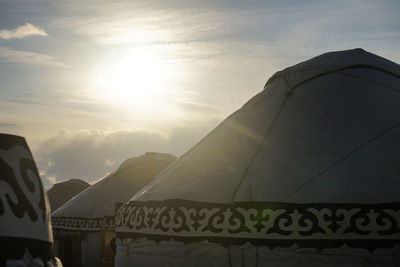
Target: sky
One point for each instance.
(92, 83)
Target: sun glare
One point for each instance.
(138, 81)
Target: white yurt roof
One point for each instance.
(63, 191)
(312, 160)
(309, 136)
(87, 209)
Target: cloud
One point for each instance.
(200, 110)
(8, 125)
(26, 57)
(22, 31)
(92, 154)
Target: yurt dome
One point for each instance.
(84, 226)
(306, 172)
(64, 191)
(87, 210)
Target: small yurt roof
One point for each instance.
(99, 200)
(64, 191)
(337, 61)
(320, 139)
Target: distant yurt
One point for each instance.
(64, 191)
(84, 226)
(25, 231)
(306, 173)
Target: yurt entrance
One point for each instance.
(69, 250)
(107, 248)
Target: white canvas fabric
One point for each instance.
(26, 237)
(310, 162)
(93, 208)
(320, 122)
(24, 208)
(172, 254)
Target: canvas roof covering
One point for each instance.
(94, 207)
(64, 191)
(311, 162)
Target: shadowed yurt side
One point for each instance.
(84, 226)
(64, 191)
(306, 173)
(25, 232)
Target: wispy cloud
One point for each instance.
(22, 31)
(27, 57)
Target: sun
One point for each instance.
(139, 80)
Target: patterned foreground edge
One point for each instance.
(273, 224)
(83, 224)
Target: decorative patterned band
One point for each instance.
(83, 224)
(315, 225)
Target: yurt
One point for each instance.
(306, 173)
(84, 226)
(64, 191)
(25, 230)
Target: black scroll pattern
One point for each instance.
(83, 224)
(316, 225)
(23, 203)
(28, 165)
